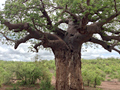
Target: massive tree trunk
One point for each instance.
(68, 60)
(68, 70)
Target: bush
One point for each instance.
(46, 85)
(92, 75)
(108, 79)
(29, 73)
(5, 74)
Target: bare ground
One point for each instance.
(110, 85)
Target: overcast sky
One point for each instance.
(22, 54)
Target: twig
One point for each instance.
(7, 37)
(115, 6)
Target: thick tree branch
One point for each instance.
(103, 36)
(72, 15)
(114, 37)
(56, 30)
(116, 50)
(36, 45)
(85, 21)
(23, 26)
(81, 8)
(36, 34)
(59, 32)
(39, 37)
(19, 26)
(108, 38)
(93, 28)
(54, 44)
(88, 2)
(49, 22)
(114, 32)
(104, 44)
(32, 33)
(111, 31)
(22, 40)
(115, 6)
(114, 44)
(107, 20)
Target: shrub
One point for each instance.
(46, 85)
(108, 79)
(29, 73)
(5, 75)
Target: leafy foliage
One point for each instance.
(5, 72)
(20, 11)
(46, 85)
(93, 71)
(30, 72)
(26, 73)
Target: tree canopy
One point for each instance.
(22, 20)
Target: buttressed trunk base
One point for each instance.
(68, 70)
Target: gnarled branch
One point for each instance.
(88, 2)
(116, 50)
(115, 6)
(108, 38)
(45, 14)
(39, 37)
(54, 44)
(107, 20)
(111, 31)
(104, 44)
(36, 45)
(32, 33)
(22, 40)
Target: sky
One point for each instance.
(8, 52)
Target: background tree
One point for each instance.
(25, 20)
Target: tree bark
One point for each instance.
(68, 70)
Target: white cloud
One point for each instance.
(2, 2)
(92, 53)
(22, 54)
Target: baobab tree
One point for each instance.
(40, 20)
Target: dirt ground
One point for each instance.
(110, 85)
